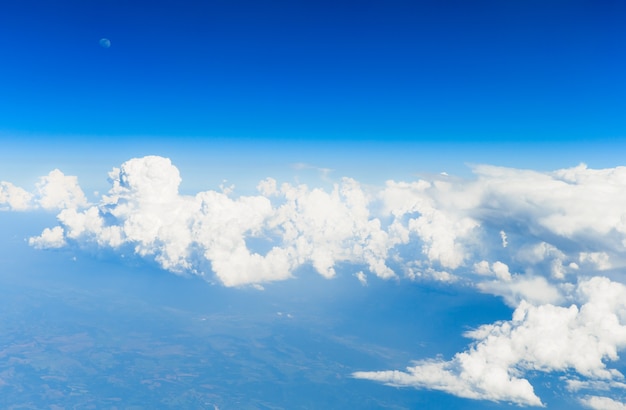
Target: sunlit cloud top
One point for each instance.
(551, 244)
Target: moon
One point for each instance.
(105, 42)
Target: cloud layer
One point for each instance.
(547, 338)
(535, 238)
(504, 221)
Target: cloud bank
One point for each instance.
(546, 242)
(547, 338)
(504, 225)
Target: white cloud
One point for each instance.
(534, 289)
(574, 385)
(498, 269)
(599, 260)
(442, 229)
(566, 202)
(327, 227)
(54, 191)
(549, 256)
(49, 239)
(442, 225)
(58, 191)
(362, 277)
(477, 379)
(523, 235)
(602, 403)
(482, 268)
(14, 198)
(538, 252)
(192, 233)
(501, 270)
(580, 338)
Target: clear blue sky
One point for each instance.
(364, 70)
(457, 74)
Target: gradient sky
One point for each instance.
(521, 83)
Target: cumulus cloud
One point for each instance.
(58, 191)
(581, 337)
(435, 213)
(598, 260)
(523, 235)
(565, 202)
(423, 228)
(14, 198)
(534, 289)
(498, 269)
(211, 230)
(53, 192)
(49, 239)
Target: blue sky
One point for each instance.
(459, 125)
(428, 83)
(428, 71)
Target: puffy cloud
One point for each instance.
(49, 239)
(566, 202)
(476, 379)
(327, 227)
(539, 252)
(599, 260)
(498, 269)
(581, 337)
(602, 403)
(220, 228)
(14, 198)
(557, 220)
(424, 228)
(211, 230)
(501, 271)
(534, 289)
(53, 192)
(523, 235)
(441, 227)
(444, 223)
(58, 191)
